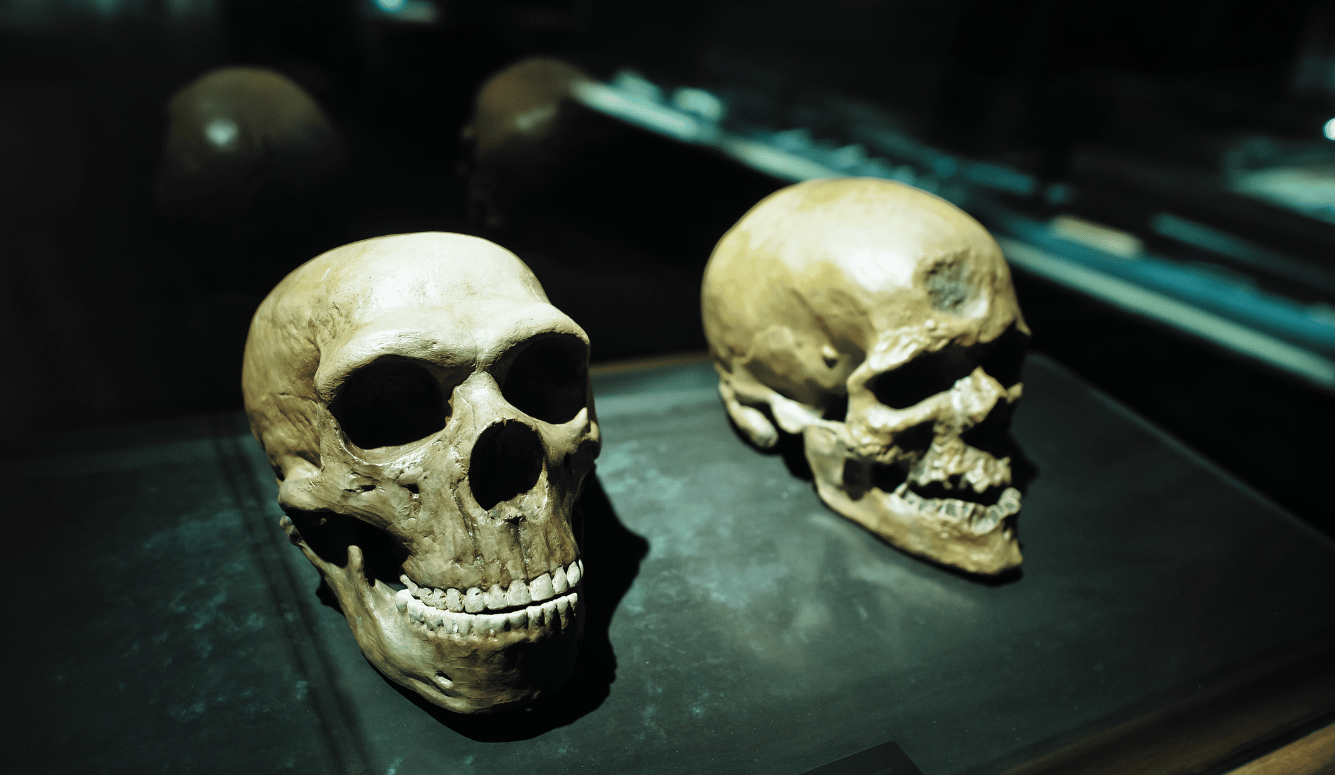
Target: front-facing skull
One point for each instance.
(429, 417)
(879, 322)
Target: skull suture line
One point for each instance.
(879, 322)
(429, 417)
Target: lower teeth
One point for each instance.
(974, 513)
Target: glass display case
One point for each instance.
(1158, 176)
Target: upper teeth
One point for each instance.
(552, 615)
(497, 598)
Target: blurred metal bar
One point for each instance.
(1165, 309)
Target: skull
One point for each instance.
(527, 140)
(244, 141)
(429, 417)
(879, 322)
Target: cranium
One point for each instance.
(879, 322)
(527, 140)
(429, 418)
(243, 141)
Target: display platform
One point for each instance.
(1167, 618)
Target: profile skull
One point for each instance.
(429, 418)
(878, 322)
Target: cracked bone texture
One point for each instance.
(878, 322)
(422, 388)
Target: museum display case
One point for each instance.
(1156, 176)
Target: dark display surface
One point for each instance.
(165, 625)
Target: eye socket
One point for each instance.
(548, 381)
(933, 373)
(390, 402)
(1004, 356)
(922, 378)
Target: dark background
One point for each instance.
(112, 312)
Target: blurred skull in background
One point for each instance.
(240, 140)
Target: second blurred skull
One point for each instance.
(523, 146)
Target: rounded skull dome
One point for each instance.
(241, 139)
(827, 266)
(521, 104)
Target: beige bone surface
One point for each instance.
(490, 616)
(830, 295)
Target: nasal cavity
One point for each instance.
(506, 462)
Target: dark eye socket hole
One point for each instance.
(1004, 356)
(992, 435)
(921, 378)
(549, 379)
(389, 403)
